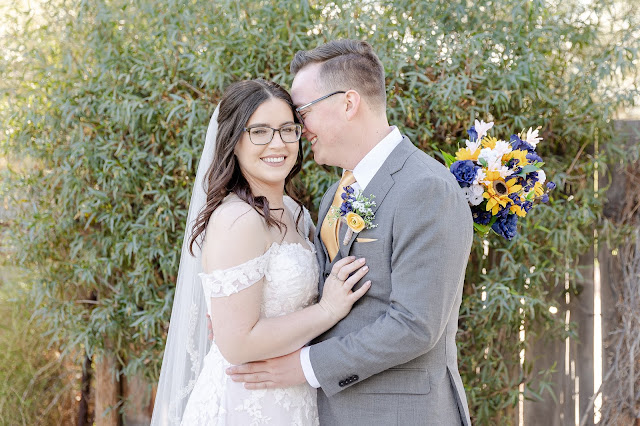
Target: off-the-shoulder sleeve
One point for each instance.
(225, 282)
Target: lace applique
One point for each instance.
(195, 365)
(225, 282)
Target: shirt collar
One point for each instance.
(367, 168)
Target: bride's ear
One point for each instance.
(352, 104)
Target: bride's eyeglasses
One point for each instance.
(262, 135)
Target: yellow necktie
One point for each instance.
(329, 231)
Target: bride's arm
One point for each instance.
(238, 234)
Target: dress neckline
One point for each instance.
(311, 248)
(311, 252)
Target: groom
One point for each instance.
(392, 360)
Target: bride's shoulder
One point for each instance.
(236, 232)
(234, 216)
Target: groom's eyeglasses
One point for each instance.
(300, 108)
(262, 135)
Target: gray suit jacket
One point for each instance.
(393, 360)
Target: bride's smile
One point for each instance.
(268, 148)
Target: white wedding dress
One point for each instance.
(290, 274)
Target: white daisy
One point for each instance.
(476, 190)
(480, 176)
(489, 155)
(502, 148)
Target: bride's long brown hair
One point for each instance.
(239, 102)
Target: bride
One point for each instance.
(249, 264)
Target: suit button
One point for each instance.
(326, 275)
(355, 377)
(341, 383)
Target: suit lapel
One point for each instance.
(380, 185)
(377, 188)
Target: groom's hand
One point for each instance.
(281, 372)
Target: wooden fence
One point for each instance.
(581, 364)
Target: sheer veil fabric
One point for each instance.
(187, 342)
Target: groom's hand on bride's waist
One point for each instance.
(281, 372)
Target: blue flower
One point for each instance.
(512, 165)
(533, 157)
(551, 186)
(347, 197)
(504, 211)
(517, 143)
(349, 189)
(480, 215)
(506, 226)
(515, 199)
(527, 205)
(545, 198)
(465, 172)
(473, 135)
(345, 208)
(530, 181)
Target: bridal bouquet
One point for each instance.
(501, 180)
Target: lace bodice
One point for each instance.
(290, 273)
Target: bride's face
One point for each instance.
(269, 164)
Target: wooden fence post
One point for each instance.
(138, 401)
(107, 390)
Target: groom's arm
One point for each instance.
(432, 234)
(431, 242)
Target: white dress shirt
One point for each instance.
(364, 171)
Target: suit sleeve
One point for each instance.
(432, 233)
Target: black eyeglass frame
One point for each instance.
(273, 133)
(316, 101)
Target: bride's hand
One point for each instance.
(337, 297)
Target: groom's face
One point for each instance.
(323, 122)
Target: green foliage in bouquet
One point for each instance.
(111, 100)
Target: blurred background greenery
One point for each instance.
(104, 108)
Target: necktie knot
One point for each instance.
(346, 180)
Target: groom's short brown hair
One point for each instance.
(347, 64)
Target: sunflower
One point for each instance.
(519, 155)
(497, 194)
(518, 210)
(492, 175)
(494, 200)
(466, 154)
(489, 142)
(538, 189)
(512, 186)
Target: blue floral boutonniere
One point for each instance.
(356, 211)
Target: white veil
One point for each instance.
(187, 341)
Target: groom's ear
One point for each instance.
(352, 104)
